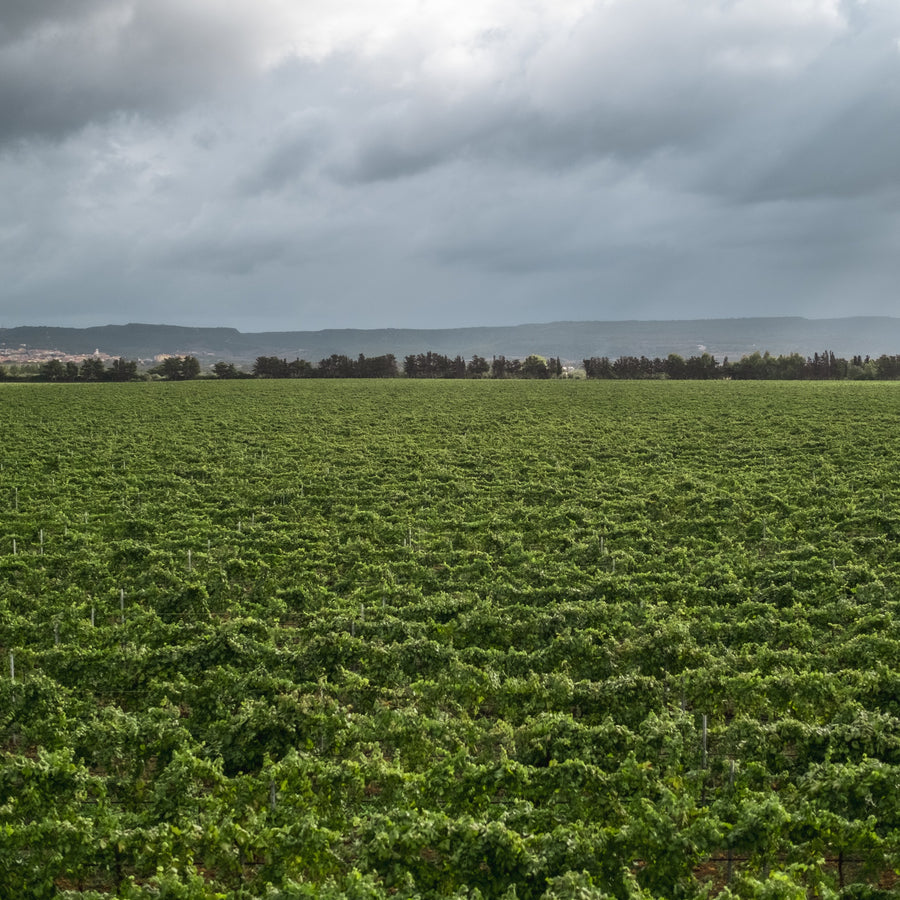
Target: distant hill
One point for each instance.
(573, 341)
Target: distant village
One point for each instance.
(25, 355)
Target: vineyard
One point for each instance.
(496, 639)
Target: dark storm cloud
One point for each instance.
(831, 129)
(630, 81)
(278, 165)
(66, 65)
(852, 150)
(297, 144)
(18, 19)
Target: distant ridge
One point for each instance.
(573, 341)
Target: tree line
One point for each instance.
(421, 365)
(92, 368)
(335, 366)
(757, 366)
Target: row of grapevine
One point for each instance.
(417, 639)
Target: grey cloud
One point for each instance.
(612, 87)
(17, 19)
(65, 66)
(831, 131)
(292, 150)
(853, 149)
(658, 158)
(857, 152)
(241, 254)
(404, 139)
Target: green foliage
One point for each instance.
(431, 639)
(178, 368)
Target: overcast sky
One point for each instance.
(306, 164)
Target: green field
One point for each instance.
(404, 639)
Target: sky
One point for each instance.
(277, 165)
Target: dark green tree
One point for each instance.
(336, 366)
(629, 367)
(598, 367)
(752, 367)
(433, 365)
(169, 368)
(888, 367)
(190, 367)
(702, 367)
(122, 370)
(224, 370)
(300, 368)
(674, 366)
(270, 367)
(91, 369)
(53, 370)
(535, 367)
(177, 368)
(376, 366)
(790, 367)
